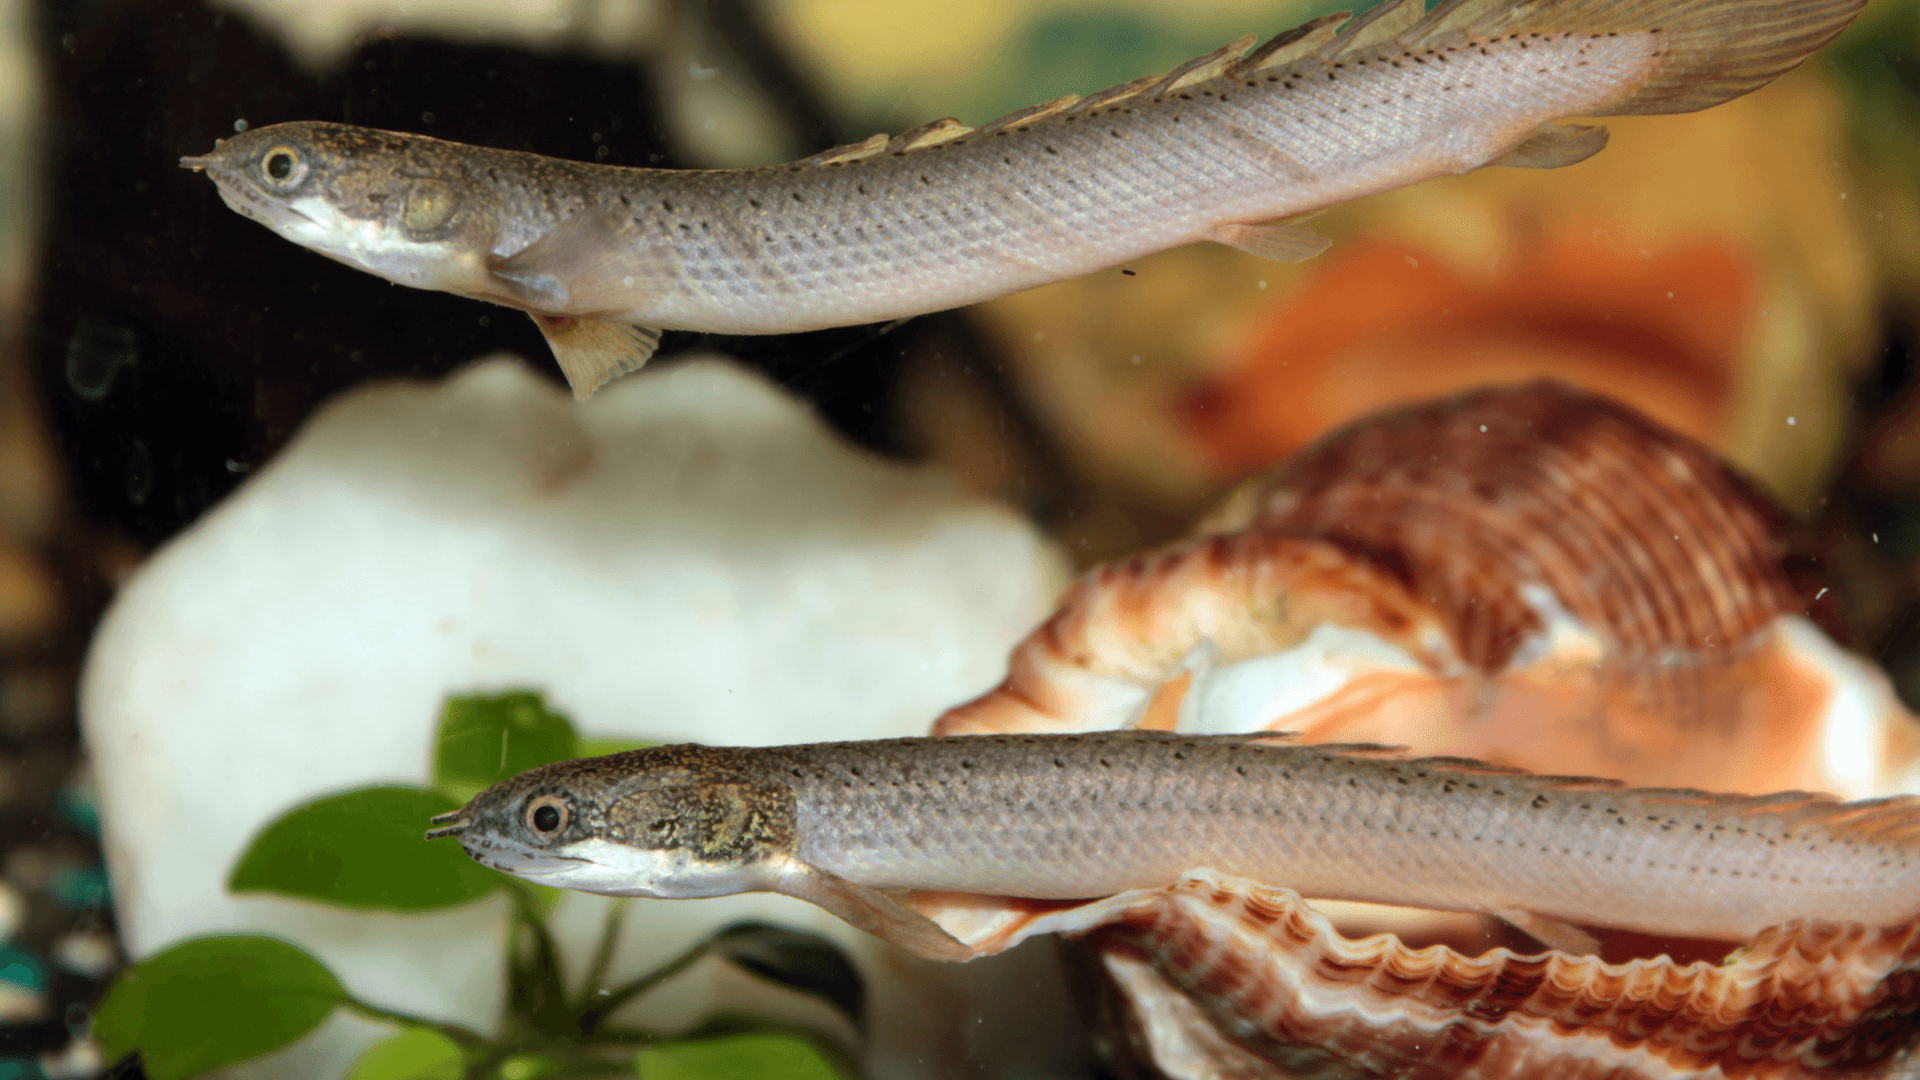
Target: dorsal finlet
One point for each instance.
(1115, 93)
(1202, 68)
(849, 152)
(1030, 114)
(1379, 25)
(1291, 45)
(942, 130)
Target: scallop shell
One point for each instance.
(1531, 575)
(1226, 978)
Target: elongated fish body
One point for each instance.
(605, 257)
(1057, 817)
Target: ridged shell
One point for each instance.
(1530, 575)
(1636, 531)
(1214, 963)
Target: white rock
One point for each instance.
(13, 909)
(88, 952)
(689, 556)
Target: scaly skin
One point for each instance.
(948, 215)
(1079, 816)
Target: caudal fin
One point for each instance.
(1712, 50)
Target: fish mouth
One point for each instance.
(510, 856)
(451, 823)
(244, 199)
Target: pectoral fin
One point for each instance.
(1554, 934)
(593, 353)
(1274, 240)
(595, 262)
(871, 910)
(1555, 145)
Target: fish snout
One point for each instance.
(451, 823)
(200, 162)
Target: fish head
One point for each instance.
(672, 822)
(403, 207)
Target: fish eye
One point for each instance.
(282, 166)
(547, 815)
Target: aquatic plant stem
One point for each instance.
(603, 953)
(539, 990)
(613, 999)
(466, 1040)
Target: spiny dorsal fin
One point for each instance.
(1289, 46)
(942, 130)
(850, 152)
(1201, 68)
(1710, 50)
(1383, 23)
(1457, 17)
(1030, 114)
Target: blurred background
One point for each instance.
(1750, 276)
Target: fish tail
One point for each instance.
(1712, 50)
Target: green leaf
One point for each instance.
(759, 1056)
(529, 1067)
(590, 746)
(364, 849)
(211, 1002)
(414, 1054)
(806, 962)
(487, 738)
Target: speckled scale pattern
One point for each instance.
(1062, 817)
(1639, 532)
(985, 214)
(934, 220)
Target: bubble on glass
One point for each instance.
(96, 354)
(239, 126)
(139, 472)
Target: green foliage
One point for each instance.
(592, 747)
(485, 739)
(759, 1056)
(211, 1002)
(414, 1054)
(530, 1067)
(364, 849)
(217, 1001)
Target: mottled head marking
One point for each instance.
(404, 207)
(672, 821)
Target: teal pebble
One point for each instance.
(77, 806)
(22, 968)
(84, 887)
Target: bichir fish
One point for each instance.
(1224, 148)
(850, 826)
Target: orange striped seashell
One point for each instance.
(1533, 576)
(1222, 977)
